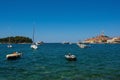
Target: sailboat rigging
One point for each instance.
(33, 45)
(9, 45)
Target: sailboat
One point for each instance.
(33, 45)
(9, 45)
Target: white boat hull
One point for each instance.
(82, 45)
(34, 46)
(70, 57)
(9, 46)
(13, 56)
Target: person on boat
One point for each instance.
(15, 53)
(69, 54)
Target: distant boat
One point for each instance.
(13, 56)
(65, 42)
(39, 43)
(70, 57)
(33, 45)
(9, 45)
(82, 45)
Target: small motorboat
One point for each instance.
(81, 45)
(70, 57)
(14, 55)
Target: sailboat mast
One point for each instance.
(33, 32)
(9, 40)
(34, 46)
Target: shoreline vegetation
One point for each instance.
(16, 40)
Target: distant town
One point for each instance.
(103, 39)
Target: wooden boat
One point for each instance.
(71, 57)
(14, 55)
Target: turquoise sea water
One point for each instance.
(99, 62)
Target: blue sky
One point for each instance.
(59, 20)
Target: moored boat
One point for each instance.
(81, 45)
(14, 55)
(40, 42)
(65, 42)
(34, 45)
(70, 57)
(9, 46)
